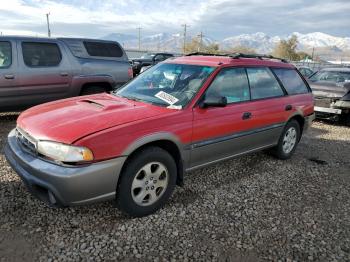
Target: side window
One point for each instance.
(5, 54)
(102, 49)
(231, 83)
(291, 81)
(263, 83)
(41, 54)
(159, 58)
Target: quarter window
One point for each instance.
(263, 83)
(231, 83)
(291, 81)
(5, 54)
(41, 54)
(103, 49)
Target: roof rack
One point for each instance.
(206, 54)
(240, 55)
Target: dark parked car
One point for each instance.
(331, 88)
(38, 70)
(147, 60)
(306, 71)
(135, 145)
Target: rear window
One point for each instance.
(103, 49)
(291, 81)
(41, 54)
(5, 54)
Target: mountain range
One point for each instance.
(260, 42)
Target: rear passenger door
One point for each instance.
(44, 72)
(8, 72)
(270, 107)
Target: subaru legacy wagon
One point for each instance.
(136, 144)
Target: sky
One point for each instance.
(216, 18)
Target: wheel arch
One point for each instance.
(167, 142)
(301, 121)
(106, 85)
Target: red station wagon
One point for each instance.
(134, 145)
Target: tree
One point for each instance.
(287, 49)
(303, 55)
(241, 49)
(196, 46)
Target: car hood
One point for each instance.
(142, 60)
(329, 90)
(68, 120)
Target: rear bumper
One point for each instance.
(64, 185)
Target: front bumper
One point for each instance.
(327, 106)
(64, 185)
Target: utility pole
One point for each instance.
(185, 36)
(139, 28)
(200, 41)
(48, 25)
(313, 52)
(158, 44)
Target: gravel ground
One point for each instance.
(253, 208)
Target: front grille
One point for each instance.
(323, 102)
(26, 141)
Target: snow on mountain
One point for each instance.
(318, 39)
(263, 43)
(259, 41)
(121, 38)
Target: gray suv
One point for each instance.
(38, 70)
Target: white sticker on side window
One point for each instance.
(166, 97)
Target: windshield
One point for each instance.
(167, 85)
(148, 56)
(331, 76)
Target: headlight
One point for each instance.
(63, 152)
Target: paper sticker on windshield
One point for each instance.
(166, 97)
(175, 107)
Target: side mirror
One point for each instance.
(213, 101)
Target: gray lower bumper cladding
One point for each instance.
(64, 185)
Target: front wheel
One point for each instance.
(146, 182)
(288, 141)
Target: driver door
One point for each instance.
(216, 129)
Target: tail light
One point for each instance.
(130, 73)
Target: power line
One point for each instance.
(48, 25)
(139, 28)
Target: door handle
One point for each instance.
(288, 107)
(246, 115)
(9, 76)
(64, 74)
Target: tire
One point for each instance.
(285, 147)
(93, 90)
(137, 193)
(345, 119)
